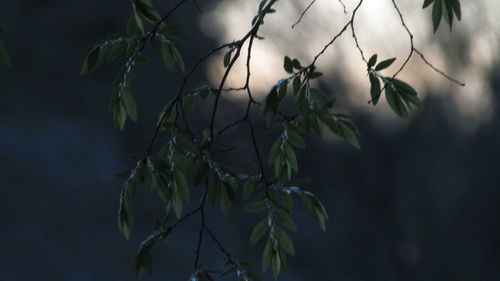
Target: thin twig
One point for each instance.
(343, 6)
(303, 13)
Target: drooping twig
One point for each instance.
(412, 51)
(343, 6)
(303, 13)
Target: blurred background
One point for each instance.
(420, 201)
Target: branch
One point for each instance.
(303, 13)
(413, 50)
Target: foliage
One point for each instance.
(293, 108)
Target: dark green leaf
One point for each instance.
(427, 3)
(374, 89)
(256, 206)
(296, 64)
(267, 254)
(227, 58)
(296, 139)
(284, 241)
(372, 61)
(285, 220)
(258, 231)
(288, 65)
(437, 12)
(384, 64)
(395, 102)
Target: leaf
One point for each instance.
(296, 64)
(291, 157)
(284, 241)
(258, 231)
(177, 57)
(342, 129)
(296, 85)
(282, 90)
(267, 255)
(189, 103)
(404, 87)
(168, 58)
(129, 104)
(288, 65)
(256, 206)
(437, 12)
(116, 50)
(456, 7)
(4, 56)
(285, 220)
(372, 61)
(447, 13)
(227, 57)
(314, 75)
(296, 139)
(374, 89)
(146, 8)
(248, 188)
(384, 64)
(125, 217)
(395, 102)
(90, 63)
(427, 3)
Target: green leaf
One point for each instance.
(447, 13)
(372, 61)
(384, 64)
(284, 241)
(291, 157)
(168, 57)
(248, 189)
(296, 85)
(256, 206)
(258, 231)
(288, 65)
(116, 50)
(427, 3)
(342, 129)
(282, 89)
(4, 56)
(314, 75)
(395, 102)
(146, 8)
(374, 89)
(457, 8)
(296, 64)
(267, 255)
(296, 139)
(178, 58)
(404, 87)
(189, 103)
(285, 220)
(227, 57)
(129, 104)
(125, 217)
(90, 63)
(275, 150)
(437, 12)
